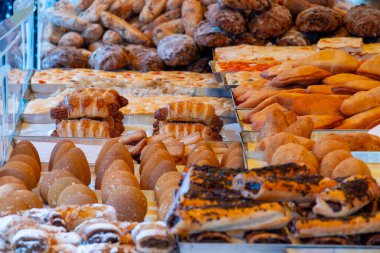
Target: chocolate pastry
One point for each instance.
(152, 237)
(363, 21)
(270, 24)
(248, 38)
(109, 57)
(293, 38)
(254, 5)
(45, 216)
(144, 59)
(207, 35)
(268, 237)
(177, 50)
(210, 237)
(319, 19)
(66, 57)
(99, 231)
(297, 6)
(229, 20)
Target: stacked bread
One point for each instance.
(68, 178)
(164, 190)
(18, 177)
(115, 178)
(185, 118)
(90, 113)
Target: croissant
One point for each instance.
(90, 103)
(186, 111)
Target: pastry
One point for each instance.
(343, 78)
(151, 10)
(323, 147)
(129, 202)
(20, 170)
(31, 199)
(114, 166)
(363, 21)
(9, 188)
(363, 120)
(207, 35)
(254, 5)
(229, 20)
(117, 180)
(294, 153)
(92, 33)
(11, 180)
(233, 157)
(59, 149)
(31, 161)
(319, 89)
(318, 19)
(134, 141)
(247, 38)
(347, 198)
(362, 141)
(361, 102)
(98, 231)
(192, 15)
(76, 194)
(58, 187)
(324, 121)
(278, 20)
(210, 237)
(165, 181)
(10, 205)
(293, 38)
(286, 170)
(168, 28)
(149, 150)
(109, 57)
(26, 148)
(177, 50)
(276, 122)
(368, 69)
(350, 167)
(185, 111)
(66, 57)
(304, 75)
(297, 6)
(300, 189)
(49, 179)
(110, 37)
(303, 127)
(144, 59)
(71, 39)
(153, 170)
(342, 42)
(331, 160)
(267, 237)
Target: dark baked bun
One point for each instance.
(31, 161)
(177, 50)
(319, 19)
(26, 148)
(249, 39)
(164, 207)
(293, 38)
(229, 20)
(66, 57)
(156, 155)
(150, 149)
(59, 149)
(270, 24)
(115, 180)
(207, 35)
(363, 21)
(49, 179)
(109, 57)
(58, 186)
(77, 194)
(254, 5)
(129, 202)
(31, 199)
(20, 170)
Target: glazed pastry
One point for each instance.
(362, 21)
(45, 216)
(89, 102)
(75, 215)
(152, 237)
(347, 198)
(331, 160)
(11, 180)
(58, 186)
(116, 180)
(185, 111)
(77, 194)
(210, 237)
(49, 179)
(98, 231)
(116, 165)
(318, 19)
(272, 237)
(300, 189)
(26, 148)
(202, 154)
(350, 167)
(129, 202)
(233, 157)
(21, 171)
(31, 161)
(59, 149)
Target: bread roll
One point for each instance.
(164, 208)
(165, 181)
(9, 180)
(148, 150)
(31, 199)
(8, 189)
(31, 161)
(361, 102)
(156, 156)
(59, 149)
(10, 205)
(26, 148)
(168, 193)
(153, 171)
(350, 167)
(20, 170)
(331, 160)
(103, 151)
(77, 194)
(114, 166)
(370, 67)
(322, 148)
(49, 179)
(116, 180)
(129, 202)
(58, 186)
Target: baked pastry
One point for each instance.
(168, 180)
(303, 127)
(109, 57)
(152, 237)
(10, 205)
(293, 38)
(31, 161)
(92, 33)
(110, 37)
(129, 202)
(192, 15)
(233, 157)
(49, 179)
(331, 160)
(66, 57)
(149, 150)
(266, 237)
(299, 189)
(207, 35)
(275, 123)
(202, 154)
(297, 6)
(324, 121)
(134, 141)
(71, 39)
(20, 170)
(229, 20)
(350, 167)
(254, 5)
(57, 187)
(362, 141)
(363, 21)
(61, 147)
(247, 38)
(361, 102)
(116, 180)
(210, 237)
(168, 28)
(31, 199)
(347, 198)
(144, 59)
(186, 111)
(177, 50)
(319, 19)
(77, 194)
(98, 231)
(11, 180)
(26, 148)
(368, 69)
(7, 189)
(270, 24)
(363, 120)
(304, 75)
(116, 165)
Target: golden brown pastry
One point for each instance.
(369, 68)
(351, 87)
(57, 187)
(49, 179)
(10, 205)
(134, 141)
(10, 180)
(103, 151)
(323, 147)
(31, 199)
(152, 172)
(166, 180)
(59, 149)
(30, 161)
(114, 166)
(350, 167)
(26, 148)
(150, 149)
(129, 202)
(151, 10)
(362, 141)
(276, 122)
(319, 89)
(116, 180)
(77, 194)
(233, 157)
(324, 121)
(361, 101)
(331, 160)
(344, 78)
(363, 120)
(7, 189)
(266, 237)
(192, 15)
(294, 153)
(303, 127)
(304, 75)
(157, 154)
(20, 170)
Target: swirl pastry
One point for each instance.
(301, 189)
(45, 216)
(347, 198)
(186, 111)
(152, 237)
(98, 231)
(90, 103)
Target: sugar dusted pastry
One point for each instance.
(58, 186)
(45, 216)
(115, 180)
(99, 231)
(49, 179)
(167, 180)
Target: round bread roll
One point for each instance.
(129, 202)
(155, 156)
(77, 194)
(166, 181)
(363, 21)
(11, 205)
(331, 160)
(153, 170)
(7, 189)
(29, 198)
(229, 20)
(350, 167)
(206, 155)
(84, 164)
(57, 188)
(149, 149)
(20, 170)
(71, 39)
(103, 151)
(115, 180)
(164, 208)
(49, 179)
(177, 50)
(26, 148)
(114, 166)
(168, 193)
(322, 148)
(9, 180)
(207, 35)
(59, 149)
(31, 161)
(318, 19)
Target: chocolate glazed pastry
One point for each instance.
(319, 19)
(272, 237)
(210, 237)
(363, 21)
